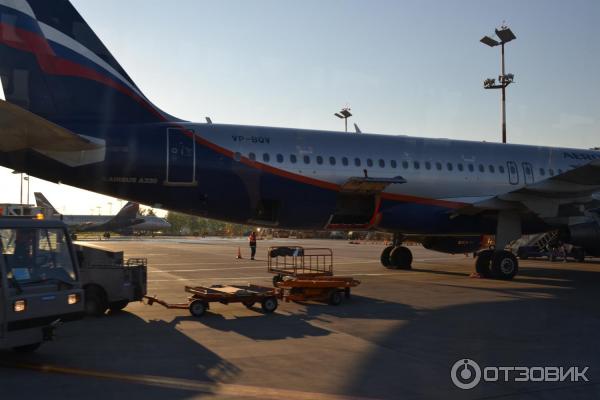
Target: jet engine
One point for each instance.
(586, 235)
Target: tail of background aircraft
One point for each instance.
(129, 211)
(42, 202)
(54, 65)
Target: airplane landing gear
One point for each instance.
(397, 256)
(497, 264)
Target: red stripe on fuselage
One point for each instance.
(31, 42)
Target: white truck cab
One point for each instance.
(39, 281)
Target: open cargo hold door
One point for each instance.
(358, 202)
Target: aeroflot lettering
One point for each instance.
(252, 139)
(581, 156)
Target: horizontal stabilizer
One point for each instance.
(23, 130)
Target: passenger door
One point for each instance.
(181, 158)
(513, 173)
(527, 173)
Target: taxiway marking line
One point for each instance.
(225, 389)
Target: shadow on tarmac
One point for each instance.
(133, 346)
(512, 326)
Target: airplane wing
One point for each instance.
(21, 129)
(544, 198)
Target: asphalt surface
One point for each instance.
(398, 336)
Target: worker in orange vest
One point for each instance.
(252, 243)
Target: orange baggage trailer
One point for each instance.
(202, 296)
(299, 262)
(320, 288)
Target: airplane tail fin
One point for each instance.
(42, 202)
(129, 211)
(54, 65)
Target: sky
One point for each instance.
(404, 67)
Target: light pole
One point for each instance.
(344, 114)
(505, 35)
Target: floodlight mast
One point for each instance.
(505, 35)
(344, 114)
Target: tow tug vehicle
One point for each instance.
(39, 280)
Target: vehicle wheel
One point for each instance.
(335, 298)
(482, 264)
(276, 279)
(28, 348)
(504, 265)
(385, 256)
(118, 305)
(95, 301)
(249, 304)
(269, 305)
(401, 258)
(580, 255)
(347, 292)
(197, 308)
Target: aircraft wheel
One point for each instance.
(385, 256)
(95, 301)
(504, 265)
(28, 348)
(482, 264)
(401, 257)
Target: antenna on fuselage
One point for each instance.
(357, 129)
(208, 120)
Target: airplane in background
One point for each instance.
(125, 221)
(74, 115)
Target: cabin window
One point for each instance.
(332, 160)
(438, 166)
(427, 165)
(405, 164)
(293, 159)
(513, 170)
(501, 169)
(449, 166)
(279, 158)
(551, 171)
(306, 159)
(481, 168)
(237, 156)
(560, 171)
(491, 168)
(345, 161)
(459, 166)
(471, 168)
(266, 157)
(252, 156)
(416, 165)
(542, 172)
(381, 163)
(357, 162)
(393, 163)
(369, 162)
(319, 160)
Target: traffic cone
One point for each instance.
(239, 256)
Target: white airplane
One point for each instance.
(74, 115)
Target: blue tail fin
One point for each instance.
(54, 65)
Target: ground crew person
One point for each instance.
(252, 243)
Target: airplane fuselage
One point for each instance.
(291, 178)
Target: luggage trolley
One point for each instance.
(202, 296)
(299, 262)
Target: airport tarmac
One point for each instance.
(398, 336)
